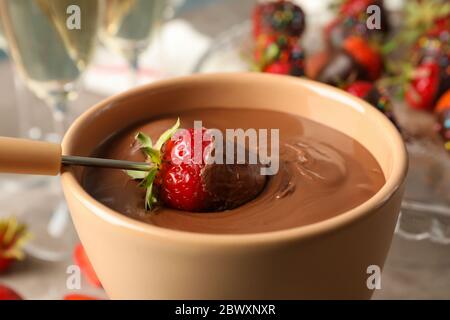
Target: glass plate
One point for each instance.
(425, 212)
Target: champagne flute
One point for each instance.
(129, 26)
(50, 55)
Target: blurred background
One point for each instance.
(49, 76)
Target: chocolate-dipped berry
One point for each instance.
(422, 90)
(357, 60)
(279, 54)
(184, 180)
(278, 17)
(341, 68)
(375, 95)
(352, 19)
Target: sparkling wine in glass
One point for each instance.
(129, 26)
(51, 43)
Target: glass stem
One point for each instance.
(134, 66)
(59, 108)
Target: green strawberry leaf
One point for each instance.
(144, 140)
(271, 53)
(153, 154)
(136, 175)
(167, 135)
(148, 183)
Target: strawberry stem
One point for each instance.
(153, 154)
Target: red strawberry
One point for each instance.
(366, 55)
(82, 260)
(359, 88)
(443, 102)
(75, 296)
(278, 67)
(13, 235)
(182, 179)
(354, 7)
(180, 185)
(256, 21)
(440, 26)
(424, 86)
(8, 294)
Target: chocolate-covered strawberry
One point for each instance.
(352, 20)
(422, 90)
(434, 45)
(278, 17)
(426, 33)
(374, 95)
(356, 60)
(184, 179)
(435, 42)
(425, 28)
(279, 54)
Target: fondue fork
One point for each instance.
(105, 163)
(44, 158)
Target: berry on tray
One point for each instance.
(422, 90)
(280, 57)
(367, 55)
(351, 20)
(356, 60)
(278, 17)
(426, 35)
(277, 27)
(7, 293)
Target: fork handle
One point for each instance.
(29, 157)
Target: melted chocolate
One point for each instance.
(322, 173)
